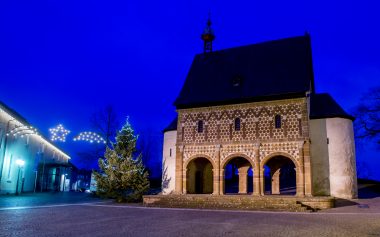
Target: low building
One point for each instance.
(28, 161)
(250, 121)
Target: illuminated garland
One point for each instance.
(59, 133)
(23, 131)
(89, 137)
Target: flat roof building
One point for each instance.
(28, 161)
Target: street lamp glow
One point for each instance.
(20, 162)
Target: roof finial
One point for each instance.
(208, 36)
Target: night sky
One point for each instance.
(62, 60)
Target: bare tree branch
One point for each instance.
(367, 124)
(104, 122)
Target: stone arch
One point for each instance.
(232, 156)
(274, 154)
(199, 175)
(199, 156)
(292, 177)
(235, 172)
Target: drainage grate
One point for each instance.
(363, 206)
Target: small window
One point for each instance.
(277, 121)
(200, 126)
(237, 124)
(170, 152)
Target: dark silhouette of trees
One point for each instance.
(105, 122)
(367, 123)
(148, 145)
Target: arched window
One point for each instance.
(237, 124)
(200, 126)
(277, 121)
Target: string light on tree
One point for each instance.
(89, 137)
(59, 133)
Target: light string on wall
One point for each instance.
(22, 131)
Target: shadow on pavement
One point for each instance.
(344, 203)
(368, 189)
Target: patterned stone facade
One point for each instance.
(257, 123)
(257, 138)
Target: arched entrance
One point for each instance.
(280, 176)
(199, 176)
(238, 176)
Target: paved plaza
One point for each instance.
(77, 214)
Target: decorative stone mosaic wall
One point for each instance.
(191, 151)
(257, 123)
(245, 149)
(218, 139)
(290, 148)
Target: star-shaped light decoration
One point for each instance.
(59, 133)
(89, 137)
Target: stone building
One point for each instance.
(28, 161)
(250, 121)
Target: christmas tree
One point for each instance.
(122, 174)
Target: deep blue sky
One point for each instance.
(62, 60)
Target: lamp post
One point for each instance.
(20, 164)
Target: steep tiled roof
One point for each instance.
(265, 71)
(324, 106)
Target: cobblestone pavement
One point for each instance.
(80, 214)
(110, 219)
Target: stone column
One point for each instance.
(300, 172)
(256, 171)
(262, 181)
(275, 174)
(184, 182)
(243, 179)
(221, 183)
(216, 171)
(178, 170)
(307, 169)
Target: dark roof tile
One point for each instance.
(324, 106)
(265, 71)
(172, 126)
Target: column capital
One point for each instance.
(257, 145)
(300, 144)
(181, 148)
(217, 147)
